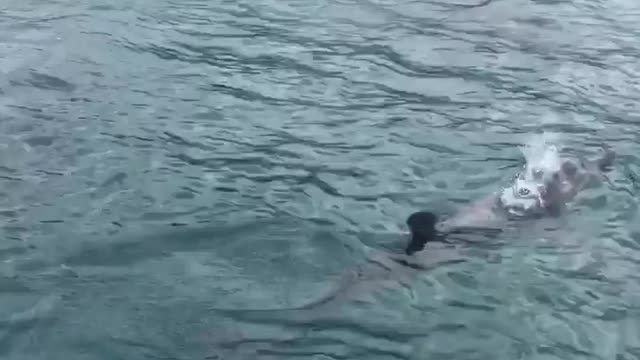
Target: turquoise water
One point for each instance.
(228, 179)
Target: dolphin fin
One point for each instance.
(422, 225)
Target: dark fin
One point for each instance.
(422, 225)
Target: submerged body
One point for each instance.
(543, 187)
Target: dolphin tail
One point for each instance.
(603, 163)
(422, 225)
(606, 160)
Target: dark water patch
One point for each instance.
(46, 82)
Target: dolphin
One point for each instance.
(543, 187)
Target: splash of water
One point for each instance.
(541, 155)
(526, 193)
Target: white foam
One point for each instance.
(543, 157)
(541, 153)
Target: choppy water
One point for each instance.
(174, 172)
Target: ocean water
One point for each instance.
(228, 179)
